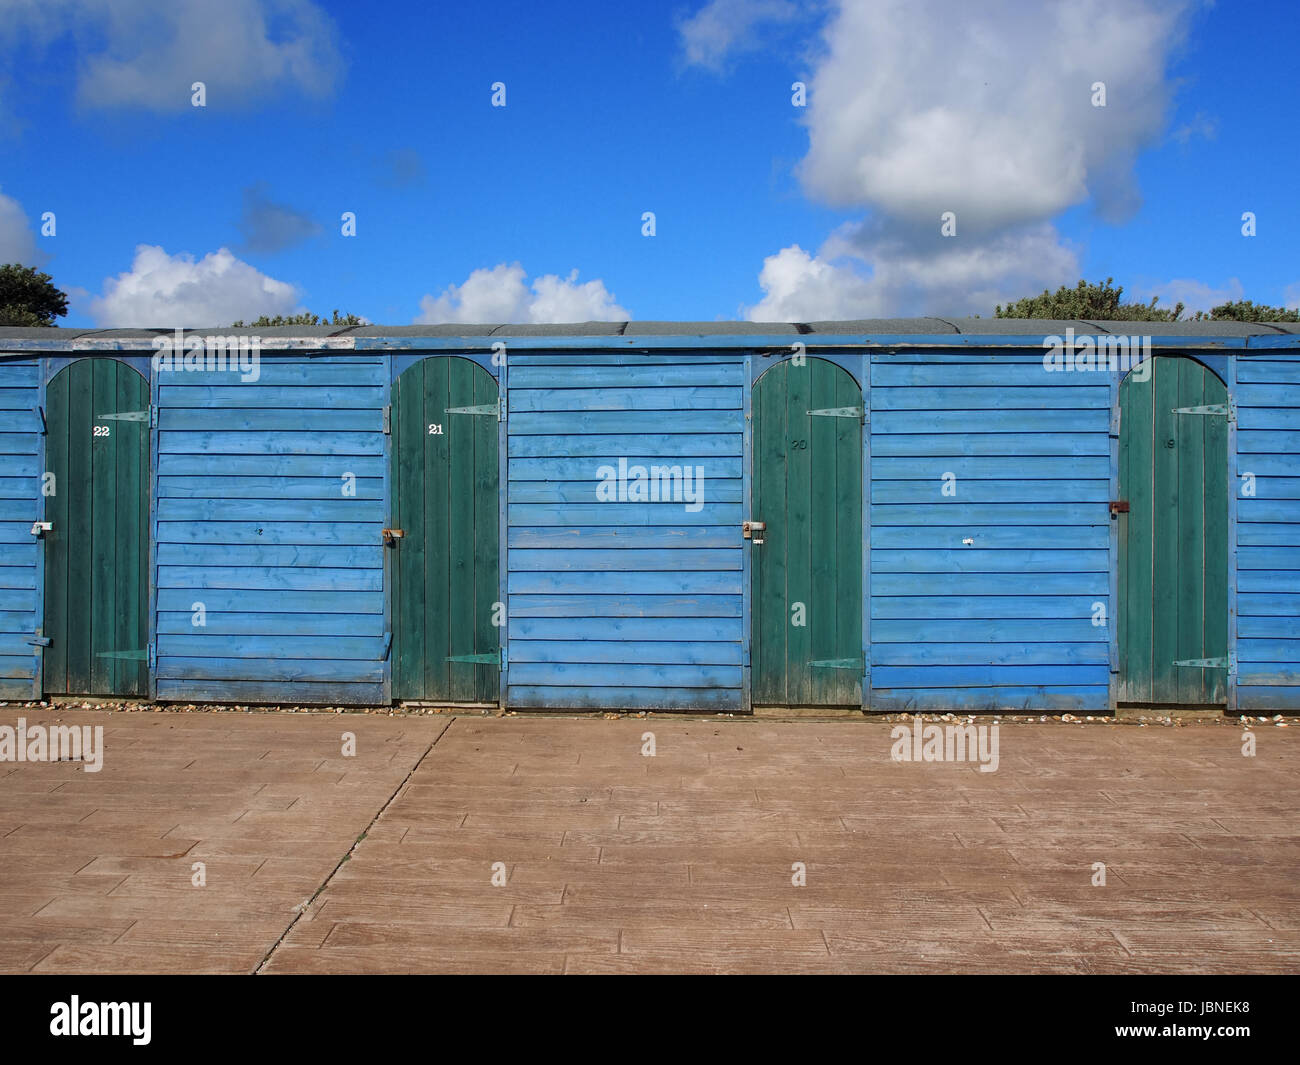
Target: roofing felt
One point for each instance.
(864, 327)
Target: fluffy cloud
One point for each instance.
(724, 27)
(925, 106)
(147, 53)
(502, 294)
(921, 107)
(17, 240)
(175, 290)
(270, 227)
(857, 274)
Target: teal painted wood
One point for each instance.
(578, 566)
(269, 509)
(1265, 544)
(20, 601)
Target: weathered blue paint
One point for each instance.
(595, 587)
(21, 504)
(252, 522)
(645, 605)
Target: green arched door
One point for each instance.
(97, 551)
(806, 628)
(445, 500)
(1173, 540)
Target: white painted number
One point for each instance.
(101, 430)
(435, 430)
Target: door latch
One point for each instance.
(1118, 507)
(753, 531)
(391, 536)
(39, 527)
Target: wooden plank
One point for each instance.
(1031, 607)
(990, 467)
(271, 601)
(688, 629)
(993, 631)
(222, 487)
(243, 396)
(620, 675)
(293, 555)
(1007, 377)
(957, 512)
(994, 584)
(970, 560)
(289, 578)
(623, 606)
(930, 653)
(313, 442)
(274, 466)
(636, 447)
(533, 376)
(637, 514)
(523, 400)
(625, 559)
(578, 697)
(280, 532)
(988, 537)
(616, 583)
(1040, 397)
(989, 420)
(623, 536)
(209, 419)
(269, 669)
(986, 676)
(267, 623)
(718, 491)
(653, 422)
(342, 509)
(605, 652)
(576, 469)
(1060, 444)
(217, 645)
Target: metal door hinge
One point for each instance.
(838, 663)
(497, 408)
(489, 658)
(145, 415)
(838, 412)
(144, 654)
(1228, 662)
(1227, 410)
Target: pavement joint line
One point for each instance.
(261, 966)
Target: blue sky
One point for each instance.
(469, 212)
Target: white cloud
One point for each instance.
(1291, 296)
(147, 53)
(1196, 295)
(858, 275)
(925, 106)
(502, 295)
(17, 240)
(174, 290)
(723, 27)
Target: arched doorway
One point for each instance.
(806, 621)
(444, 568)
(97, 551)
(1173, 538)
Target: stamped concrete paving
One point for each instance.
(618, 862)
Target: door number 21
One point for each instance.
(435, 429)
